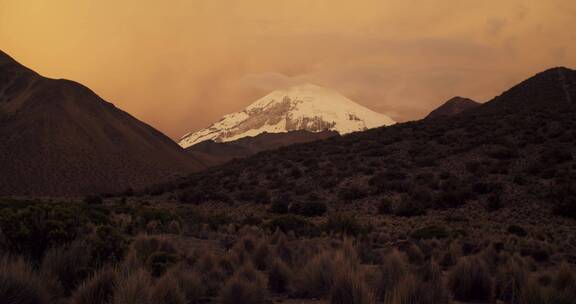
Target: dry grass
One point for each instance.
(19, 284)
(510, 281)
(247, 286)
(350, 287)
(393, 268)
(134, 289)
(168, 291)
(248, 263)
(69, 265)
(316, 278)
(99, 289)
(280, 276)
(470, 280)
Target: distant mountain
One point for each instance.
(453, 106)
(215, 153)
(58, 138)
(305, 107)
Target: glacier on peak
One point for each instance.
(304, 107)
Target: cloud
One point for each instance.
(183, 64)
(494, 26)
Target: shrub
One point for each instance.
(159, 262)
(510, 281)
(134, 289)
(245, 287)
(433, 289)
(93, 200)
(430, 232)
(279, 207)
(298, 225)
(279, 277)
(517, 230)
(564, 198)
(32, 229)
(385, 207)
(494, 203)
(316, 277)
(346, 225)
(393, 268)
(349, 288)
(167, 291)
(261, 255)
(191, 284)
(407, 290)
(565, 278)
(470, 280)
(453, 198)
(261, 197)
(308, 209)
(533, 293)
(97, 290)
(407, 207)
(107, 245)
(351, 193)
(20, 285)
(69, 265)
(487, 188)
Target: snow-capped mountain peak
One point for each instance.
(303, 107)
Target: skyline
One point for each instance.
(399, 58)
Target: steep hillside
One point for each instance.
(58, 138)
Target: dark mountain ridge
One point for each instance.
(58, 138)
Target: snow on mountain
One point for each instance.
(305, 107)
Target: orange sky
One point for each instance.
(181, 64)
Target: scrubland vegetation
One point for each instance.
(117, 253)
(476, 208)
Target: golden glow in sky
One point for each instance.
(181, 64)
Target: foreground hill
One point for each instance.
(213, 153)
(58, 138)
(305, 107)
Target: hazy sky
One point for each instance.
(181, 64)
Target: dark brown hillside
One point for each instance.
(453, 106)
(58, 138)
(213, 153)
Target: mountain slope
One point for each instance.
(453, 106)
(516, 151)
(58, 138)
(306, 107)
(215, 153)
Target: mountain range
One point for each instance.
(58, 138)
(518, 148)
